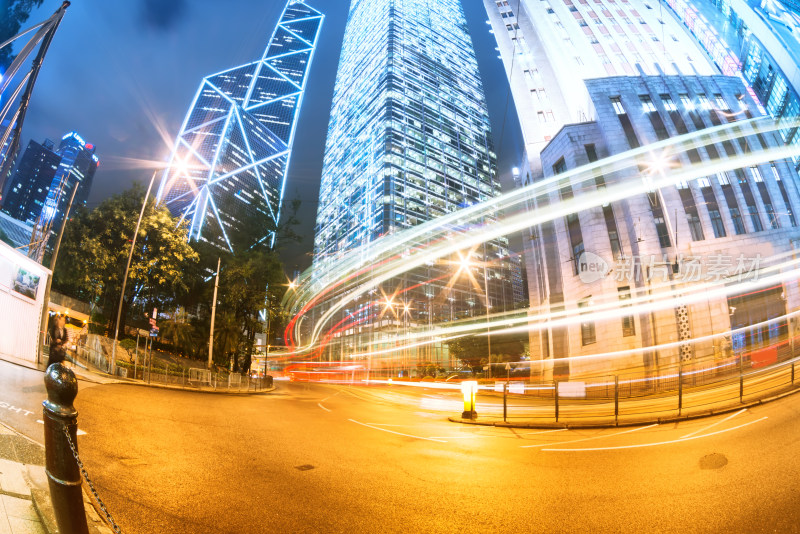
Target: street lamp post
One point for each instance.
(213, 316)
(125, 276)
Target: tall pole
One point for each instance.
(488, 305)
(213, 316)
(46, 307)
(112, 367)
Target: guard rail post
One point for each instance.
(63, 472)
(792, 372)
(616, 399)
(741, 386)
(680, 388)
(505, 401)
(555, 395)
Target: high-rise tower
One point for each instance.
(408, 141)
(228, 170)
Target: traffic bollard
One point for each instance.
(63, 473)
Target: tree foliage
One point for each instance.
(473, 351)
(95, 248)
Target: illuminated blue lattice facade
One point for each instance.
(228, 169)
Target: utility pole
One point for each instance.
(213, 315)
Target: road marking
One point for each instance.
(714, 424)
(398, 433)
(323, 407)
(587, 439)
(543, 432)
(12, 408)
(658, 443)
(80, 432)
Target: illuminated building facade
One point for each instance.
(43, 180)
(758, 42)
(408, 141)
(227, 173)
(637, 75)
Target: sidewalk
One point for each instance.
(25, 505)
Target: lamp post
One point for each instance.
(213, 316)
(125, 276)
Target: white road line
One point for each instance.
(658, 443)
(543, 432)
(587, 439)
(714, 424)
(323, 407)
(398, 433)
(80, 432)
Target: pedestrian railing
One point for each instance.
(676, 391)
(171, 375)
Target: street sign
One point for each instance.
(154, 332)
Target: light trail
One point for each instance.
(394, 255)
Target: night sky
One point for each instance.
(123, 74)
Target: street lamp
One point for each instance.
(125, 276)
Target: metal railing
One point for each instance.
(170, 375)
(679, 390)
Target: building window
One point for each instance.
(662, 231)
(618, 109)
(613, 233)
(686, 101)
(704, 103)
(669, 105)
(628, 324)
(721, 104)
(736, 217)
(587, 327)
(756, 174)
(753, 211)
(716, 222)
(647, 104)
(695, 228)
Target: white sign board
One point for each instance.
(22, 286)
(516, 387)
(575, 390)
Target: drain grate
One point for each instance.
(305, 467)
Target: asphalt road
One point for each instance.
(319, 458)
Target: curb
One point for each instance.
(637, 422)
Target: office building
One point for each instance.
(42, 183)
(227, 173)
(638, 76)
(408, 141)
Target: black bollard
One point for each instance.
(63, 473)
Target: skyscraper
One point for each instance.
(227, 172)
(408, 141)
(44, 178)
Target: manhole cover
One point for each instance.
(713, 461)
(305, 467)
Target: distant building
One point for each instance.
(227, 173)
(45, 177)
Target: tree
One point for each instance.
(473, 351)
(178, 331)
(95, 249)
(17, 13)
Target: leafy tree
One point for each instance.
(473, 351)
(178, 331)
(95, 248)
(13, 14)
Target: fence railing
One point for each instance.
(680, 391)
(153, 372)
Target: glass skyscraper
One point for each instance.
(227, 172)
(408, 141)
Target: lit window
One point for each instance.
(618, 109)
(686, 101)
(647, 104)
(721, 104)
(704, 103)
(756, 173)
(722, 178)
(669, 105)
